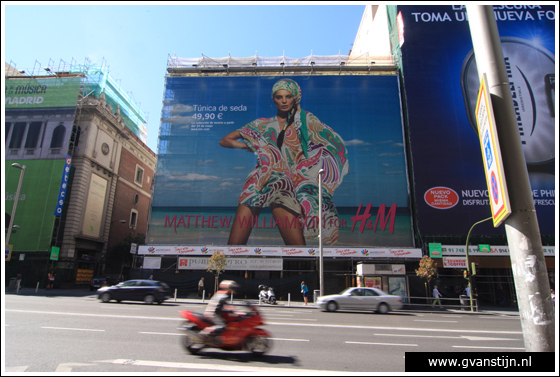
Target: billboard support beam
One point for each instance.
(522, 230)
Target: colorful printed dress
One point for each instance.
(287, 176)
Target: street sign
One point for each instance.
(133, 248)
(492, 155)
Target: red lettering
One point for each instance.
(382, 220)
(172, 222)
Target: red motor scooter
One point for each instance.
(241, 332)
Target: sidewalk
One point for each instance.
(79, 292)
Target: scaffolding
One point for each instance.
(308, 64)
(96, 79)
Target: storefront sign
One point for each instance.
(238, 264)
(454, 262)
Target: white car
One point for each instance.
(360, 299)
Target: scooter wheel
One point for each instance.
(191, 344)
(258, 345)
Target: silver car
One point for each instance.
(360, 299)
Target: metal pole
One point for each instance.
(467, 261)
(321, 283)
(522, 230)
(16, 199)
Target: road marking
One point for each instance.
(220, 367)
(68, 328)
(324, 325)
(433, 320)
(67, 367)
(158, 333)
(493, 348)
(473, 338)
(476, 338)
(291, 340)
(16, 369)
(385, 344)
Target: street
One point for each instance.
(81, 334)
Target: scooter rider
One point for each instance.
(215, 309)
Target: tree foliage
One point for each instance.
(427, 268)
(217, 265)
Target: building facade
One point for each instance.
(74, 145)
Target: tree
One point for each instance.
(426, 270)
(217, 264)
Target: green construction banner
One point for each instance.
(42, 92)
(37, 201)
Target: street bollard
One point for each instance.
(203, 294)
(289, 299)
(231, 300)
(37, 288)
(175, 297)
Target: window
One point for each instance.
(17, 135)
(33, 135)
(139, 175)
(58, 136)
(8, 127)
(133, 218)
(135, 199)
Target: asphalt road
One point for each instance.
(81, 334)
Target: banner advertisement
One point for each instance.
(63, 186)
(486, 250)
(454, 262)
(441, 98)
(93, 214)
(280, 251)
(36, 204)
(42, 92)
(226, 142)
(238, 264)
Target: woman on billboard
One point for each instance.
(291, 148)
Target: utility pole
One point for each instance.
(522, 230)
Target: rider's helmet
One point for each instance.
(229, 285)
(261, 287)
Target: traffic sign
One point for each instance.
(492, 155)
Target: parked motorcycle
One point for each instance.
(242, 331)
(267, 295)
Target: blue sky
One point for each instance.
(136, 40)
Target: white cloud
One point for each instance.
(355, 143)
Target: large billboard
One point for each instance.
(37, 201)
(42, 92)
(348, 125)
(441, 84)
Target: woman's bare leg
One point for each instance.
(242, 225)
(290, 235)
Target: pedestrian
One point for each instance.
(501, 295)
(18, 282)
(151, 277)
(437, 296)
(304, 291)
(553, 295)
(468, 291)
(50, 280)
(200, 287)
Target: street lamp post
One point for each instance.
(467, 260)
(321, 272)
(14, 208)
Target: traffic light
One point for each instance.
(466, 274)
